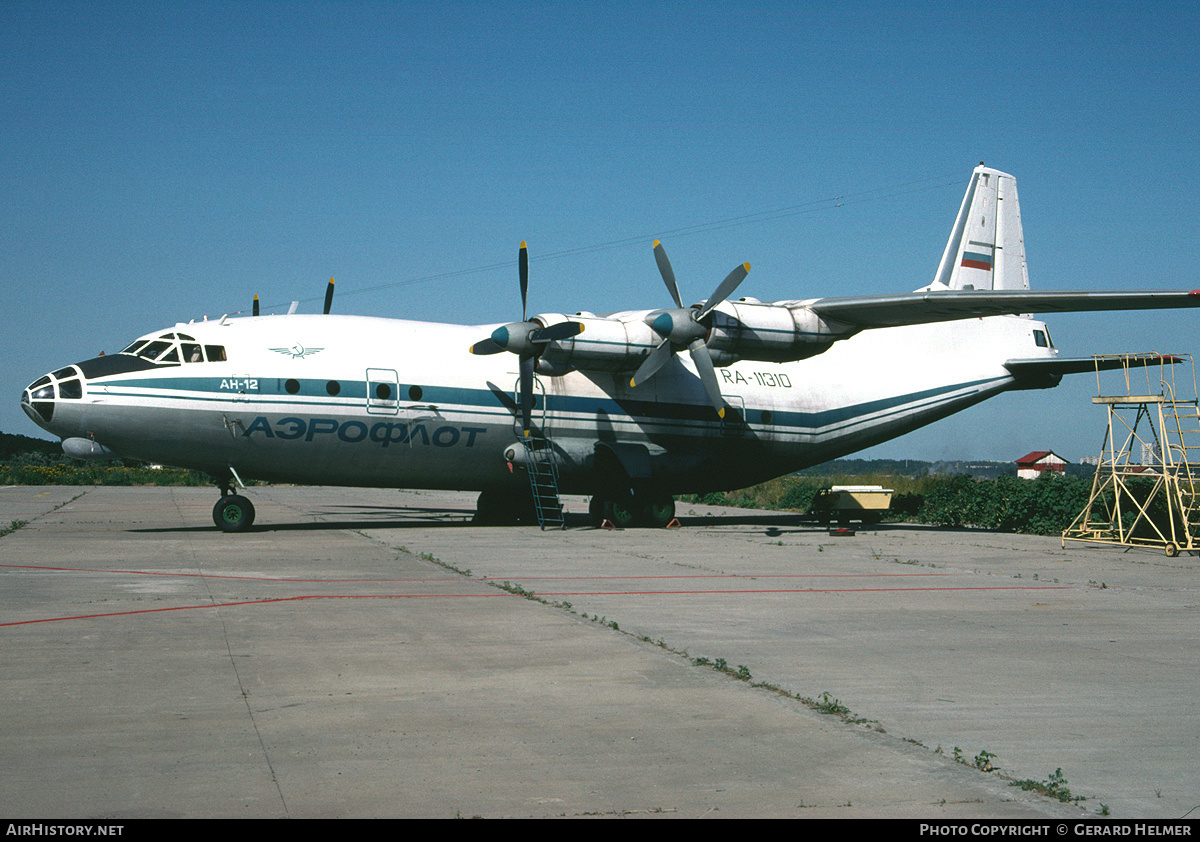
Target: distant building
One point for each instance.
(1151, 455)
(1033, 465)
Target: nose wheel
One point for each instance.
(233, 513)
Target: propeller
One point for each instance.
(685, 327)
(527, 339)
(328, 296)
(254, 312)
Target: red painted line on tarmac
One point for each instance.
(251, 602)
(809, 590)
(537, 593)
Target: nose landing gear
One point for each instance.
(233, 512)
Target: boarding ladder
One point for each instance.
(1146, 490)
(543, 480)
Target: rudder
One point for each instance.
(986, 249)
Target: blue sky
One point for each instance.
(163, 161)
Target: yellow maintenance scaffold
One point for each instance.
(1145, 491)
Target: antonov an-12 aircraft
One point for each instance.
(630, 408)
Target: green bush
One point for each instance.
(40, 470)
(1045, 506)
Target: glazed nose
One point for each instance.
(40, 397)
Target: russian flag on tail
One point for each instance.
(977, 260)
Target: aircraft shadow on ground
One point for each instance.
(354, 517)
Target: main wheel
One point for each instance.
(621, 512)
(657, 510)
(233, 513)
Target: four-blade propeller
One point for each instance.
(527, 339)
(685, 327)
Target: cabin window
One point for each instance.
(292, 386)
(191, 353)
(215, 353)
(383, 391)
(414, 393)
(1039, 339)
(333, 387)
(70, 389)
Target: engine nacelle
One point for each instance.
(743, 330)
(615, 343)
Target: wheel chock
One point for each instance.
(674, 524)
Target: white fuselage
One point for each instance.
(343, 400)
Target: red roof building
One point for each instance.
(1033, 465)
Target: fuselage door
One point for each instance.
(383, 391)
(537, 416)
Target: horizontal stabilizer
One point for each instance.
(870, 311)
(1058, 366)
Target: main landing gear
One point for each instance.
(649, 508)
(233, 512)
(655, 509)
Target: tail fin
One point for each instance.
(986, 248)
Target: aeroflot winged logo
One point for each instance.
(298, 351)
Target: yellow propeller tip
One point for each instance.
(657, 244)
(632, 385)
(523, 245)
(721, 412)
(746, 266)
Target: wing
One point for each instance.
(871, 311)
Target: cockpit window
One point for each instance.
(175, 348)
(154, 349)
